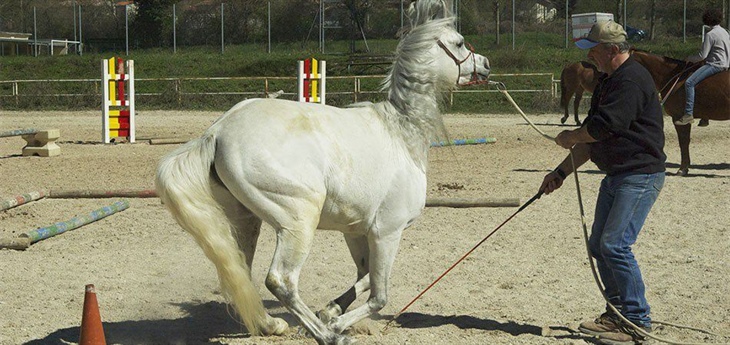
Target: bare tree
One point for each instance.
(652, 20)
(618, 12)
(497, 8)
(358, 10)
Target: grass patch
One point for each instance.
(538, 52)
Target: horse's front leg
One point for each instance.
(340, 304)
(360, 253)
(292, 248)
(382, 254)
(683, 136)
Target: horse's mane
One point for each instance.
(412, 75)
(673, 60)
(412, 70)
(666, 58)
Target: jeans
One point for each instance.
(624, 201)
(699, 75)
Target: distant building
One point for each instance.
(16, 43)
(544, 11)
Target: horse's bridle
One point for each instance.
(474, 75)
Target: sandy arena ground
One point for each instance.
(530, 283)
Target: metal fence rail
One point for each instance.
(181, 88)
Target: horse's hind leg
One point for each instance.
(359, 251)
(576, 105)
(566, 96)
(292, 248)
(246, 225)
(245, 228)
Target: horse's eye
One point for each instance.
(460, 44)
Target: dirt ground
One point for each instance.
(530, 283)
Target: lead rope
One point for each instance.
(501, 87)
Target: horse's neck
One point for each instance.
(416, 109)
(661, 71)
(416, 89)
(415, 118)
(670, 70)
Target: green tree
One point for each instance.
(149, 22)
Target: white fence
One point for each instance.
(14, 90)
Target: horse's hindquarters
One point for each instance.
(712, 97)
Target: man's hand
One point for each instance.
(551, 182)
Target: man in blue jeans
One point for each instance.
(716, 54)
(624, 136)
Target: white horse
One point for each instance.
(301, 167)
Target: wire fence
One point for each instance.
(104, 26)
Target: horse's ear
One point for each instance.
(440, 10)
(422, 11)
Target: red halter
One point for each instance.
(474, 76)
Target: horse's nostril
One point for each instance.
(486, 64)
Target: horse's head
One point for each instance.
(430, 60)
(472, 68)
(453, 58)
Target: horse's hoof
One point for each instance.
(344, 340)
(577, 123)
(275, 326)
(348, 341)
(682, 172)
(336, 339)
(334, 326)
(302, 332)
(562, 120)
(331, 311)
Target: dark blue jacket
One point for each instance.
(627, 120)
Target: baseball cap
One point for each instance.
(602, 32)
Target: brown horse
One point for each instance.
(575, 79)
(712, 101)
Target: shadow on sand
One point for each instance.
(204, 322)
(418, 320)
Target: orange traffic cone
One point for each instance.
(92, 332)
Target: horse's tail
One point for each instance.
(183, 184)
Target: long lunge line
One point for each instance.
(537, 196)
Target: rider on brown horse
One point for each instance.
(716, 54)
